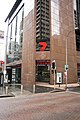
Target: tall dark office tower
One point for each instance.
(77, 13)
(42, 23)
(77, 21)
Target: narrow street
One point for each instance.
(42, 106)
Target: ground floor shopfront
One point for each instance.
(43, 73)
(43, 70)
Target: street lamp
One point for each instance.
(66, 66)
(67, 57)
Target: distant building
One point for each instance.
(1, 34)
(2, 45)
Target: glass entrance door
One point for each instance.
(43, 70)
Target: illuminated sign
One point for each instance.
(43, 62)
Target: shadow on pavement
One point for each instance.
(74, 89)
(42, 89)
(7, 95)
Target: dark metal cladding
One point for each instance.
(13, 9)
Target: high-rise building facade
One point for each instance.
(77, 32)
(40, 32)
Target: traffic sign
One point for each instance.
(53, 65)
(66, 67)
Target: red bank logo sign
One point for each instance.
(43, 46)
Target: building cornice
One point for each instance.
(16, 4)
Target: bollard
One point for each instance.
(21, 89)
(6, 89)
(33, 88)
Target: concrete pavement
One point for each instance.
(40, 88)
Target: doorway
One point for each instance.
(14, 74)
(43, 70)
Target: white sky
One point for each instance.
(5, 7)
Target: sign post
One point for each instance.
(54, 79)
(53, 66)
(66, 69)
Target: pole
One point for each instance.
(21, 89)
(66, 58)
(6, 52)
(67, 55)
(34, 88)
(54, 79)
(6, 89)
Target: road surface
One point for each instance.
(42, 106)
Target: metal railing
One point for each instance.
(8, 88)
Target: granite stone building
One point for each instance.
(38, 33)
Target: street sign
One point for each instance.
(59, 77)
(66, 67)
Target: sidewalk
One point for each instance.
(62, 86)
(14, 91)
(58, 88)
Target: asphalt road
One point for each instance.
(42, 106)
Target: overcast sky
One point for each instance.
(5, 7)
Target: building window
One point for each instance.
(15, 36)
(78, 42)
(55, 17)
